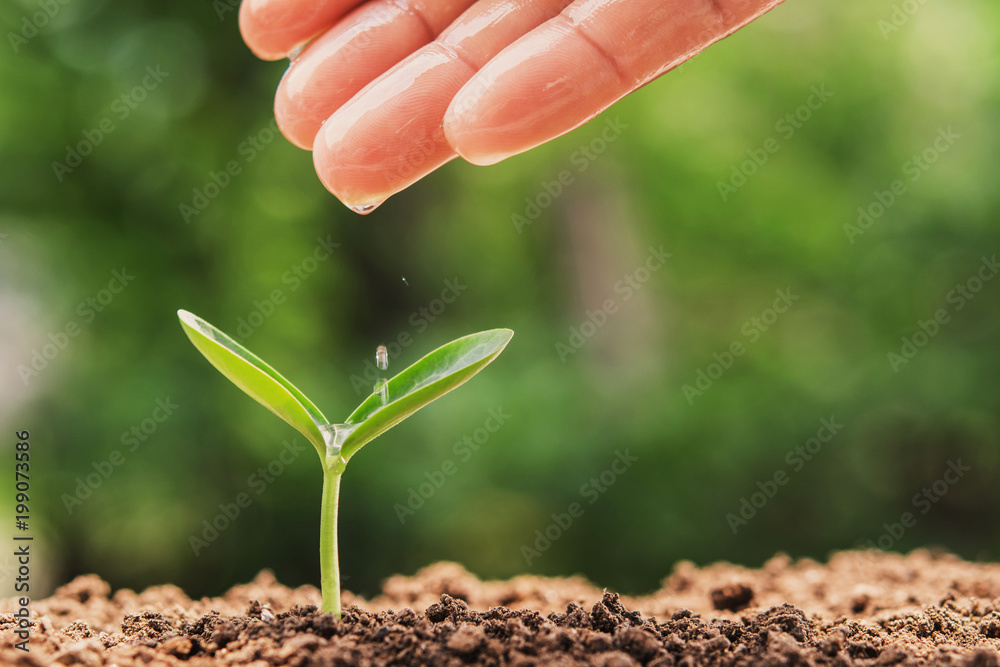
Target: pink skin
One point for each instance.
(363, 45)
(396, 88)
(274, 28)
(408, 103)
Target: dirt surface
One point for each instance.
(861, 608)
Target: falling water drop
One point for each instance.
(382, 361)
(404, 281)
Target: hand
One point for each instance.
(389, 90)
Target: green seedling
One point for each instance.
(392, 401)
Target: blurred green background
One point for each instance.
(884, 81)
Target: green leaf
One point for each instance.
(248, 372)
(428, 379)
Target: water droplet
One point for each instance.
(364, 208)
(382, 361)
(330, 437)
(334, 436)
(404, 281)
(382, 389)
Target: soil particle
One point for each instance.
(149, 625)
(466, 640)
(862, 608)
(734, 597)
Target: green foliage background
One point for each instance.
(655, 185)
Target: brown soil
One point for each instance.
(862, 608)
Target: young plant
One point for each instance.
(428, 379)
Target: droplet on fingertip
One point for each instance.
(366, 207)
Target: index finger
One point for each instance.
(576, 65)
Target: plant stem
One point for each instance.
(329, 561)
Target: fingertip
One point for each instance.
(468, 152)
(253, 21)
(542, 86)
(298, 128)
(357, 200)
(274, 29)
(389, 136)
(337, 65)
(463, 123)
(464, 145)
(353, 184)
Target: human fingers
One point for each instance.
(390, 134)
(571, 68)
(274, 28)
(361, 46)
